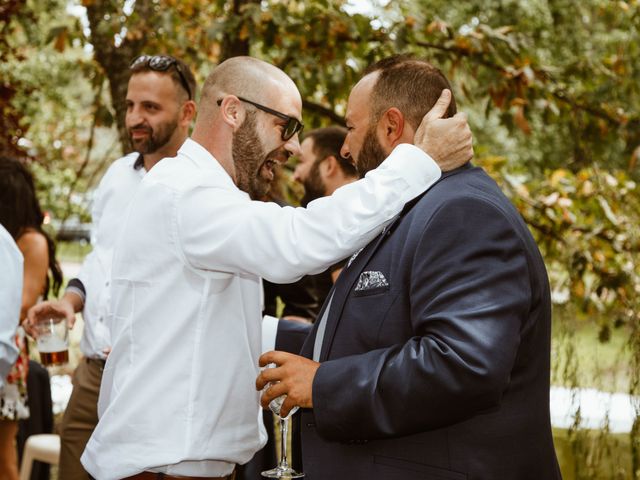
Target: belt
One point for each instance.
(98, 362)
(164, 476)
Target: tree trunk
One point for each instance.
(232, 44)
(103, 20)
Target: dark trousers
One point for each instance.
(80, 418)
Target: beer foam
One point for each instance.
(51, 344)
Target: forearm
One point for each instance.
(295, 241)
(75, 294)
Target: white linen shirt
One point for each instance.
(111, 200)
(10, 301)
(178, 390)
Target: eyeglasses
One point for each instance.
(162, 63)
(292, 126)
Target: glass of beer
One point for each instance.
(53, 340)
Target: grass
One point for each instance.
(593, 455)
(72, 251)
(579, 358)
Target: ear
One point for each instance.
(188, 112)
(232, 111)
(391, 128)
(329, 166)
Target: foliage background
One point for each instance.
(550, 87)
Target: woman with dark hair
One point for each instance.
(21, 216)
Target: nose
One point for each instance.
(293, 145)
(297, 174)
(133, 116)
(344, 151)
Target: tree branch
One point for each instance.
(323, 111)
(558, 93)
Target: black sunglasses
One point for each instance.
(292, 126)
(162, 63)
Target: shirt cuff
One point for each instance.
(424, 170)
(269, 333)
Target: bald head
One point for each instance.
(249, 116)
(245, 77)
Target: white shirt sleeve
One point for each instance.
(10, 301)
(221, 230)
(91, 261)
(269, 333)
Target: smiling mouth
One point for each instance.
(139, 134)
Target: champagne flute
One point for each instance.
(283, 469)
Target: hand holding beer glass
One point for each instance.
(52, 339)
(49, 323)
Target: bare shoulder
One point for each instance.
(33, 244)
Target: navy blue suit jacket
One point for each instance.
(441, 370)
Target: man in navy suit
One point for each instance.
(430, 358)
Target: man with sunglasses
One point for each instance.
(160, 109)
(177, 397)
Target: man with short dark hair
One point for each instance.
(430, 358)
(160, 109)
(177, 397)
(321, 169)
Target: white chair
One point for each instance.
(44, 447)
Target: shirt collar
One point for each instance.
(139, 163)
(203, 159)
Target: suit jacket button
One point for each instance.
(311, 424)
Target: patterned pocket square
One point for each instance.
(370, 281)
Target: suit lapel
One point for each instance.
(340, 291)
(345, 284)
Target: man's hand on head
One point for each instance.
(447, 140)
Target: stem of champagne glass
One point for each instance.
(283, 442)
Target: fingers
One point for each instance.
(460, 116)
(268, 375)
(274, 356)
(440, 107)
(286, 407)
(37, 310)
(274, 391)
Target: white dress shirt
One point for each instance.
(10, 301)
(112, 197)
(178, 390)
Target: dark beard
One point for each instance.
(314, 187)
(371, 155)
(248, 156)
(157, 139)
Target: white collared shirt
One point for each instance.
(10, 301)
(111, 200)
(178, 390)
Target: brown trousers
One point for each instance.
(80, 419)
